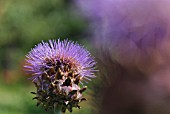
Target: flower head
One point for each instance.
(57, 68)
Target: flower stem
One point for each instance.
(57, 110)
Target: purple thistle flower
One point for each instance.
(66, 51)
(57, 68)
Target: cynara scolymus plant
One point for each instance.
(57, 69)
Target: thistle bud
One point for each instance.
(57, 68)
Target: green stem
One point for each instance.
(57, 110)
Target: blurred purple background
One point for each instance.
(133, 42)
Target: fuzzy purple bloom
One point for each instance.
(65, 51)
(57, 68)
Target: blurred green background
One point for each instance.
(23, 24)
